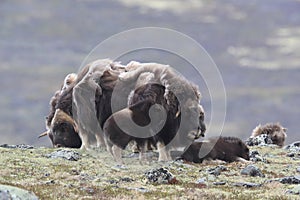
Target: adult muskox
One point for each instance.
(145, 122)
(61, 128)
(82, 107)
(184, 116)
(273, 131)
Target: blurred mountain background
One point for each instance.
(255, 44)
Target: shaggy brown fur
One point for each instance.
(275, 131)
(73, 139)
(83, 86)
(187, 93)
(89, 100)
(139, 107)
(228, 149)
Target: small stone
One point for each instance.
(294, 145)
(217, 170)
(219, 183)
(47, 174)
(74, 171)
(119, 167)
(140, 189)
(252, 170)
(127, 179)
(255, 157)
(295, 190)
(298, 169)
(159, 176)
(4, 194)
(50, 182)
(65, 154)
(247, 184)
(290, 180)
(291, 155)
(201, 180)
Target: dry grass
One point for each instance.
(95, 176)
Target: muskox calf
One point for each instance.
(228, 149)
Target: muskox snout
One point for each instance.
(58, 145)
(202, 129)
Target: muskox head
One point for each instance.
(69, 80)
(63, 131)
(275, 132)
(230, 149)
(194, 125)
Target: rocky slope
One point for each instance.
(273, 173)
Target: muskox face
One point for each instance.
(202, 126)
(63, 131)
(278, 137)
(195, 128)
(244, 151)
(62, 134)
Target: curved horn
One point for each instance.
(43, 134)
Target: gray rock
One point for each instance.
(5, 195)
(290, 180)
(219, 183)
(293, 146)
(13, 193)
(18, 146)
(295, 190)
(252, 170)
(126, 179)
(294, 149)
(247, 184)
(298, 169)
(255, 157)
(216, 170)
(159, 176)
(260, 140)
(65, 154)
(140, 189)
(201, 181)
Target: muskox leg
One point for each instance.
(163, 154)
(117, 153)
(108, 145)
(239, 159)
(142, 154)
(85, 140)
(100, 139)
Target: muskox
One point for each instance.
(228, 149)
(61, 128)
(275, 132)
(156, 125)
(269, 133)
(87, 101)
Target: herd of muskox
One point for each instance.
(108, 104)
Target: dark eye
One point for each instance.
(68, 82)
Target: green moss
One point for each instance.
(95, 176)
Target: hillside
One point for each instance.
(94, 175)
